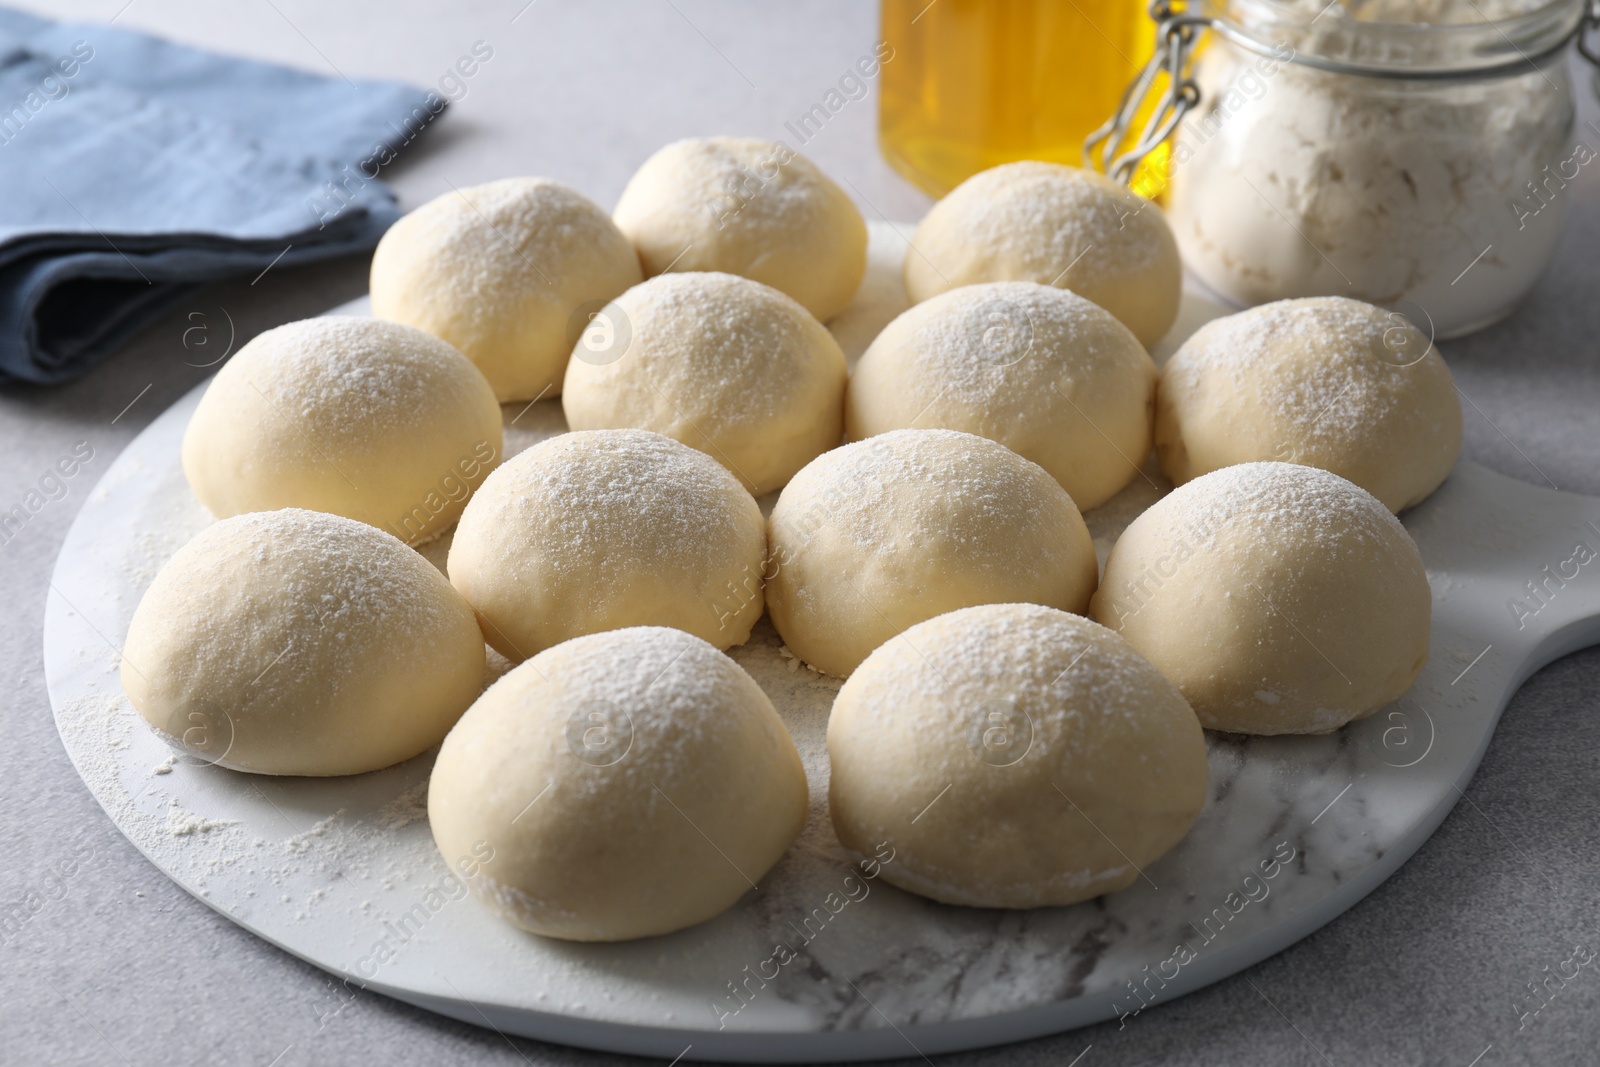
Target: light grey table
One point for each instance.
(121, 966)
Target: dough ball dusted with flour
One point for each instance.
(297, 642)
(1045, 372)
(879, 535)
(747, 207)
(1328, 382)
(1013, 756)
(621, 785)
(371, 420)
(1280, 599)
(508, 272)
(724, 364)
(1056, 225)
(605, 529)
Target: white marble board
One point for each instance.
(343, 873)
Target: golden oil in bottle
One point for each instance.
(976, 83)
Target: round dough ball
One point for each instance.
(508, 272)
(371, 420)
(297, 642)
(1057, 225)
(1280, 599)
(747, 207)
(604, 529)
(724, 364)
(619, 785)
(1012, 756)
(877, 536)
(1328, 382)
(1048, 374)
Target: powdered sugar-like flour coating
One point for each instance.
(626, 495)
(600, 529)
(1324, 381)
(628, 783)
(344, 374)
(1043, 220)
(1050, 375)
(1279, 598)
(1033, 736)
(881, 534)
(1341, 387)
(343, 872)
(1272, 502)
(364, 418)
(299, 642)
(1055, 225)
(722, 363)
(499, 270)
(749, 207)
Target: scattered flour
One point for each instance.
(181, 823)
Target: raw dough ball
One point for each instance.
(1280, 599)
(721, 363)
(297, 642)
(619, 785)
(879, 535)
(370, 420)
(1013, 756)
(748, 207)
(1043, 222)
(605, 529)
(508, 272)
(1328, 382)
(1043, 371)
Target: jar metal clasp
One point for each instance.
(1108, 149)
(1591, 21)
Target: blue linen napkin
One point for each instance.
(133, 170)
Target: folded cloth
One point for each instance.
(132, 170)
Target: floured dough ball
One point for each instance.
(1056, 225)
(877, 536)
(724, 364)
(1048, 374)
(1280, 599)
(747, 207)
(297, 642)
(1328, 382)
(606, 529)
(619, 785)
(508, 272)
(1012, 756)
(367, 419)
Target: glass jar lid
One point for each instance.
(1402, 38)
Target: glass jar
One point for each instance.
(1416, 154)
(976, 83)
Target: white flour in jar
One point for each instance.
(1290, 181)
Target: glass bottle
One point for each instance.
(977, 83)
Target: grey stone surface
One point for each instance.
(121, 966)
